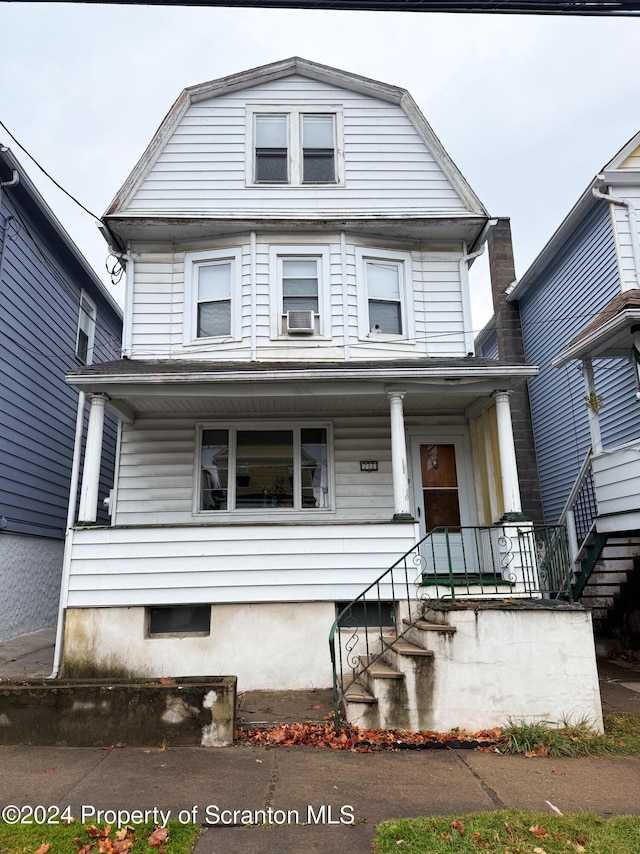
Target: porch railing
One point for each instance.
(581, 508)
(512, 560)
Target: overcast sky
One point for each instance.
(530, 108)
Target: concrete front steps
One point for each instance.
(475, 664)
(390, 693)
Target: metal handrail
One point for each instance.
(511, 559)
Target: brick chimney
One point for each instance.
(511, 351)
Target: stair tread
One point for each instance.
(357, 694)
(379, 670)
(405, 647)
(426, 626)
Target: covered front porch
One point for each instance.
(327, 474)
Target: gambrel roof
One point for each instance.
(467, 204)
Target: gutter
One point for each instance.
(633, 222)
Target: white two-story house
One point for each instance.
(299, 398)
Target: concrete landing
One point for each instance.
(28, 656)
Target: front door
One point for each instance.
(442, 505)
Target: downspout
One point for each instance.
(633, 224)
(68, 539)
(15, 179)
(464, 281)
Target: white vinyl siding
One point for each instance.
(387, 167)
(158, 463)
(252, 563)
(434, 298)
(623, 235)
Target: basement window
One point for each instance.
(179, 620)
(371, 614)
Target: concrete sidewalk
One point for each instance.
(297, 787)
(318, 801)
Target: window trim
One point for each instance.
(251, 513)
(295, 111)
(91, 337)
(403, 259)
(278, 254)
(194, 260)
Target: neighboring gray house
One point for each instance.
(579, 306)
(56, 316)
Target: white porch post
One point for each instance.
(507, 452)
(88, 511)
(399, 458)
(593, 406)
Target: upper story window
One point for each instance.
(272, 149)
(86, 334)
(318, 149)
(384, 294)
(300, 290)
(294, 145)
(212, 295)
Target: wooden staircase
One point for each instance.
(395, 692)
(606, 564)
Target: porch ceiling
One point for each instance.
(192, 388)
(607, 338)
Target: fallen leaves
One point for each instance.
(538, 832)
(44, 848)
(108, 841)
(361, 740)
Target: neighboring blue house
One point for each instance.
(579, 303)
(56, 316)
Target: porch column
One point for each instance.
(508, 466)
(594, 405)
(399, 458)
(88, 511)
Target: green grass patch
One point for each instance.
(621, 738)
(509, 832)
(70, 839)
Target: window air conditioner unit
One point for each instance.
(300, 322)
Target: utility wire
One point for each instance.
(49, 176)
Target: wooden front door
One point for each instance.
(441, 499)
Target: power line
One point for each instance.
(49, 176)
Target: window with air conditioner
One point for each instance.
(300, 297)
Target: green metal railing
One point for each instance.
(511, 560)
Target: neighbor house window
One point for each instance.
(294, 145)
(86, 329)
(253, 468)
(212, 295)
(384, 294)
(300, 298)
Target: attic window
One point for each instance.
(272, 166)
(295, 145)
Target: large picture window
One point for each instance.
(253, 468)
